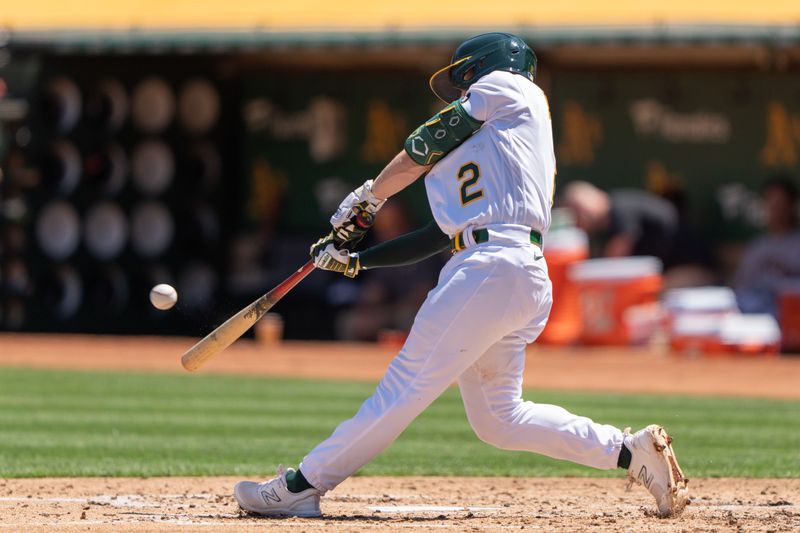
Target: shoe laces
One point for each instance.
(279, 479)
(282, 475)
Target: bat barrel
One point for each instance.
(238, 324)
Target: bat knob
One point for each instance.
(364, 219)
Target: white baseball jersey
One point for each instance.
(505, 172)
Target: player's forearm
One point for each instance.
(401, 172)
(406, 249)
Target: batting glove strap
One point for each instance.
(353, 266)
(353, 230)
(356, 214)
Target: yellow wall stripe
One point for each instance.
(331, 15)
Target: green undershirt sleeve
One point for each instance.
(407, 249)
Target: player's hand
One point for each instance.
(355, 215)
(327, 256)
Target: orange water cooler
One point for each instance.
(750, 334)
(563, 248)
(789, 312)
(695, 316)
(608, 288)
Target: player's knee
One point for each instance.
(484, 433)
(491, 426)
(492, 434)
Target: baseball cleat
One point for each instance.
(273, 498)
(653, 464)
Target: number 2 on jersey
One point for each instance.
(470, 174)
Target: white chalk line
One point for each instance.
(135, 501)
(113, 500)
(23, 525)
(428, 508)
(116, 522)
(309, 524)
(141, 501)
(42, 500)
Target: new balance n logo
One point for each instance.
(644, 478)
(270, 496)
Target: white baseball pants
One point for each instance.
(491, 300)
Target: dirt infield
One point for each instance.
(364, 504)
(585, 369)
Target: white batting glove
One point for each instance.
(327, 257)
(356, 214)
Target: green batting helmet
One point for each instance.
(480, 55)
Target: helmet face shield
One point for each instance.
(442, 85)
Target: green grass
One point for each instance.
(58, 423)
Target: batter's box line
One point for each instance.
(429, 508)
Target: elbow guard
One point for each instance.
(441, 134)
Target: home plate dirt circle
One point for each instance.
(421, 503)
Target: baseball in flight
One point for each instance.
(163, 296)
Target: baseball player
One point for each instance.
(489, 169)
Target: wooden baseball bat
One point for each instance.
(235, 326)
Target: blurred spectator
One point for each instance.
(388, 298)
(771, 262)
(626, 221)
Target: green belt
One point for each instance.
(482, 235)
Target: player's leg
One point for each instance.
(476, 303)
(464, 315)
(492, 393)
